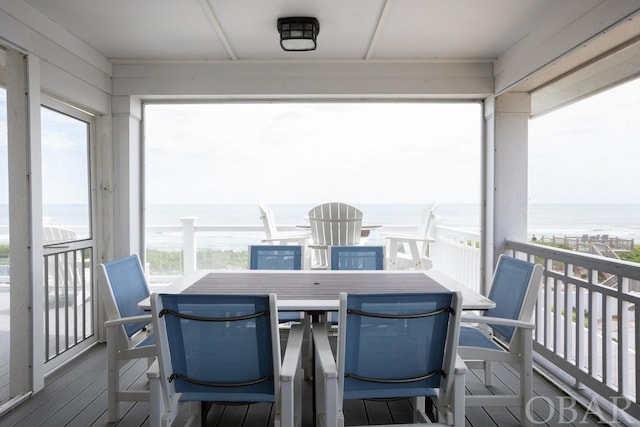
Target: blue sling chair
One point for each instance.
(122, 285)
(400, 345)
(355, 258)
(277, 257)
(223, 349)
(504, 333)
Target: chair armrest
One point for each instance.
(318, 246)
(460, 367)
(470, 318)
(125, 320)
(288, 238)
(153, 371)
(407, 238)
(291, 379)
(292, 353)
(324, 354)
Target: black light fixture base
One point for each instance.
(298, 33)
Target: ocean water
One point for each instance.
(616, 220)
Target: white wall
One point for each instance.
(556, 40)
(70, 69)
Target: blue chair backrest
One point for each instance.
(397, 337)
(357, 258)
(220, 346)
(508, 290)
(275, 257)
(129, 287)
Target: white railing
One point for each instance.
(68, 278)
(455, 252)
(594, 350)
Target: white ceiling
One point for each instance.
(349, 29)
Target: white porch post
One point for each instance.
(25, 220)
(505, 165)
(189, 244)
(127, 176)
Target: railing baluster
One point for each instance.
(623, 333)
(636, 363)
(69, 304)
(599, 348)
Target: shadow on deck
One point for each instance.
(76, 396)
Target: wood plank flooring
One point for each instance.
(76, 397)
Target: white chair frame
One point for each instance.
(417, 245)
(271, 232)
(332, 224)
(165, 403)
(329, 377)
(518, 352)
(120, 347)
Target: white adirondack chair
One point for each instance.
(52, 235)
(332, 224)
(416, 246)
(271, 232)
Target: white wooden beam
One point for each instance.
(213, 19)
(556, 39)
(340, 79)
(374, 38)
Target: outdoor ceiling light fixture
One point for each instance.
(298, 33)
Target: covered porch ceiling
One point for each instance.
(526, 42)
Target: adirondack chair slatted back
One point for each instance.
(415, 247)
(53, 235)
(271, 230)
(266, 215)
(426, 227)
(335, 224)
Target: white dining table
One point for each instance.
(305, 290)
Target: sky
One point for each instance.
(357, 152)
(312, 153)
(588, 152)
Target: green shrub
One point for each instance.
(633, 256)
(4, 254)
(170, 262)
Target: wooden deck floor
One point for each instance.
(76, 397)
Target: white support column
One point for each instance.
(127, 176)
(189, 244)
(104, 165)
(505, 173)
(105, 228)
(487, 196)
(25, 220)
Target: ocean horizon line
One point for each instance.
(570, 219)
